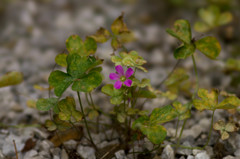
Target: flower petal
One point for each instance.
(128, 82)
(129, 72)
(118, 84)
(119, 70)
(114, 76)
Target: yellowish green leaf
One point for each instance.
(11, 78)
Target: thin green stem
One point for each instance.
(196, 76)
(186, 147)
(179, 138)
(177, 128)
(210, 132)
(175, 66)
(86, 96)
(85, 121)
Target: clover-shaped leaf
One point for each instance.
(102, 35)
(60, 81)
(163, 114)
(131, 59)
(116, 94)
(209, 101)
(67, 108)
(211, 17)
(81, 71)
(51, 126)
(209, 46)
(11, 78)
(75, 45)
(61, 60)
(182, 31)
(183, 111)
(184, 51)
(46, 104)
(225, 128)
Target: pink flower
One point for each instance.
(120, 77)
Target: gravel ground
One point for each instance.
(34, 32)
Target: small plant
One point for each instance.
(211, 18)
(83, 75)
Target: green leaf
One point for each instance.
(67, 109)
(75, 45)
(60, 81)
(201, 27)
(102, 35)
(231, 127)
(144, 94)
(183, 111)
(184, 51)
(139, 122)
(51, 126)
(60, 59)
(46, 104)
(78, 66)
(61, 125)
(93, 114)
(11, 78)
(225, 18)
(155, 133)
(209, 46)
(131, 59)
(220, 125)
(118, 26)
(115, 43)
(88, 82)
(163, 114)
(182, 31)
(231, 102)
(233, 64)
(209, 15)
(116, 94)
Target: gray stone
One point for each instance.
(45, 145)
(168, 153)
(86, 152)
(120, 154)
(64, 154)
(185, 151)
(30, 154)
(8, 148)
(197, 151)
(230, 157)
(190, 157)
(70, 144)
(45, 154)
(202, 155)
(237, 153)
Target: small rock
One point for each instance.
(182, 157)
(64, 154)
(202, 155)
(237, 153)
(120, 154)
(190, 157)
(30, 154)
(86, 152)
(45, 145)
(70, 144)
(105, 143)
(196, 151)
(45, 154)
(185, 151)
(55, 152)
(229, 157)
(168, 153)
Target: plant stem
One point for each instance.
(210, 132)
(175, 66)
(85, 121)
(179, 138)
(196, 76)
(177, 128)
